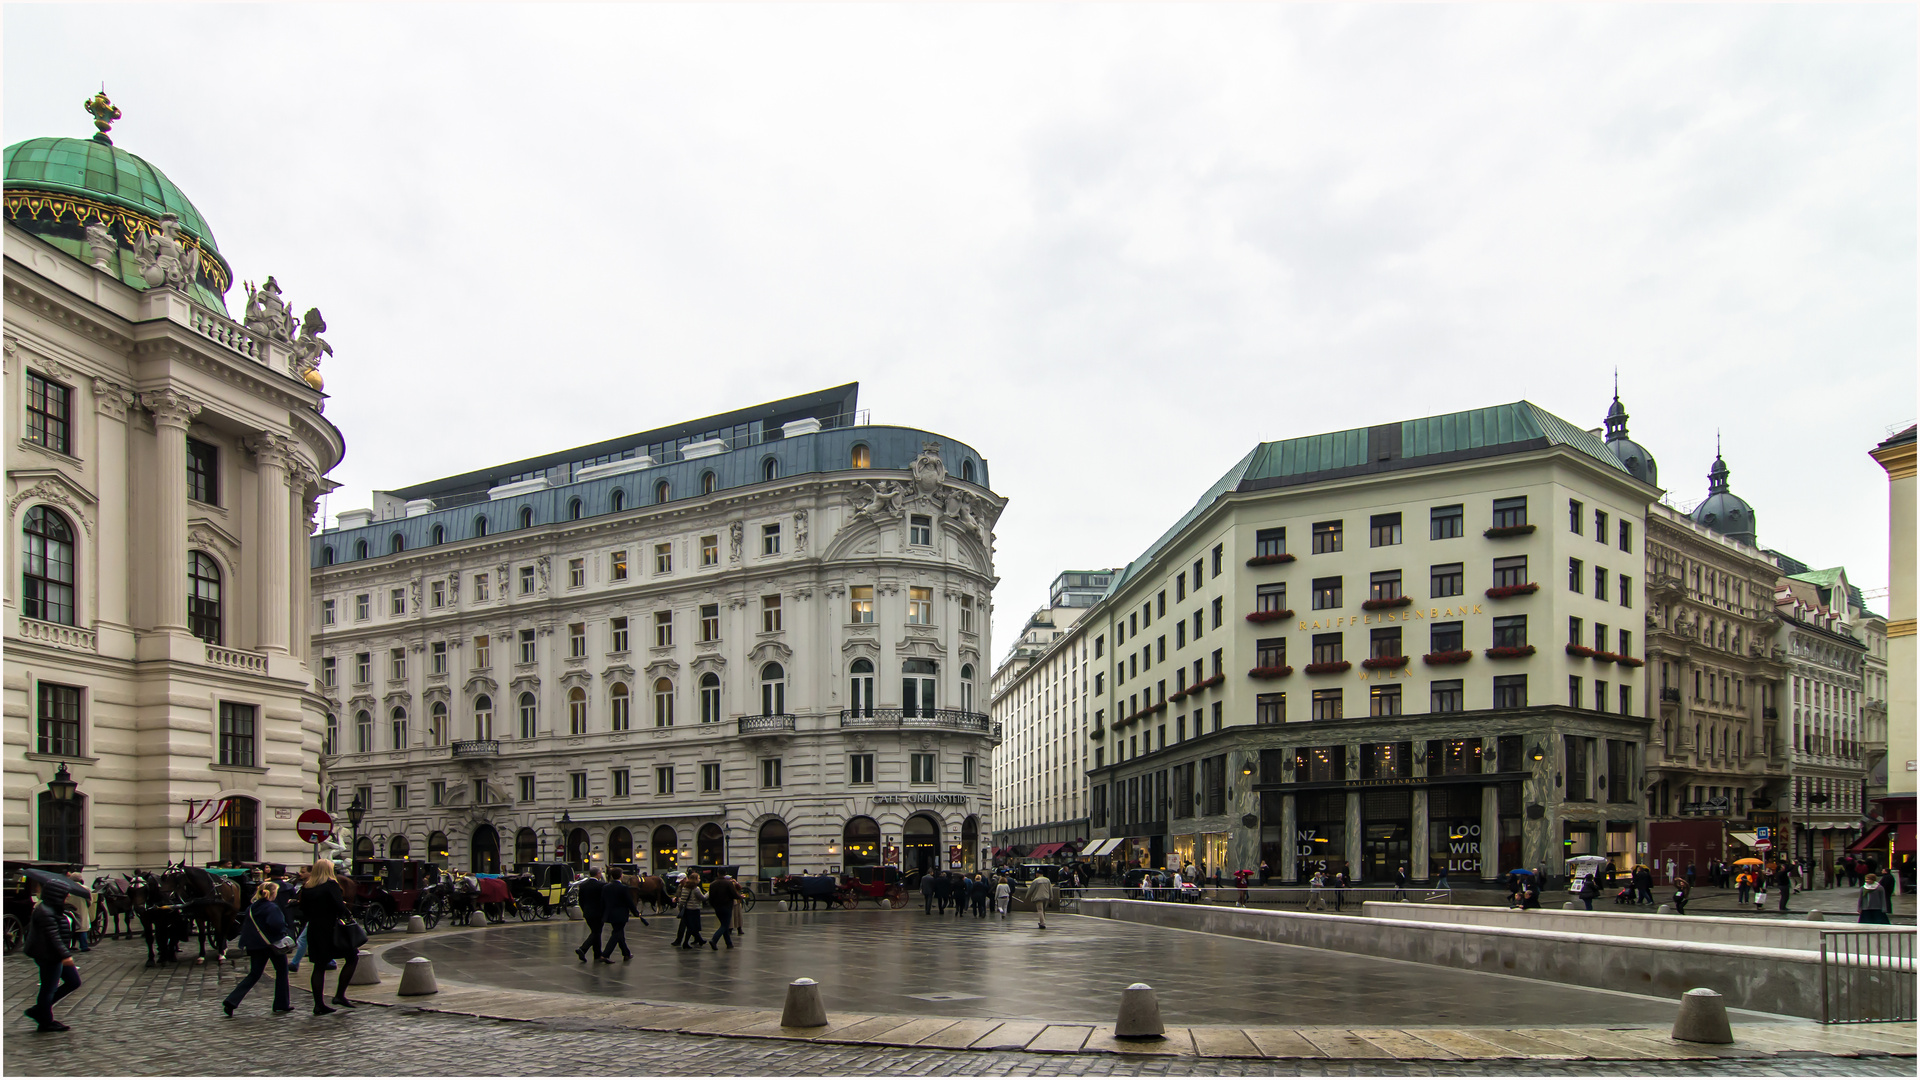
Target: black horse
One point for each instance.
(163, 920)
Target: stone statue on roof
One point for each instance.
(100, 244)
(267, 313)
(308, 347)
(164, 257)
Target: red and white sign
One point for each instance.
(314, 826)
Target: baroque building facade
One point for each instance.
(1892, 840)
(164, 477)
(1823, 637)
(749, 639)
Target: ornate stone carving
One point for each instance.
(800, 530)
(543, 566)
(736, 536)
(49, 491)
(308, 347)
(267, 313)
(453, 588)
(272, 451)
(164, 257)
(929, 472)
(111, 399)
(170, 408)
(883, 497)
(101, 245)
(413, 594)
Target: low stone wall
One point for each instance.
(1783, 981)
(1764, 933)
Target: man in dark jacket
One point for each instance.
(1400, 883)
(593, 909)
(926, 889)
(617, 907)
(1783, 881)
(981, 891)
(59, 975)
(942, 890)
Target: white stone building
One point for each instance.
(755, 639)
(160, 486)
(1823, 635)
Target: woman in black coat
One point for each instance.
(260, 927)
(325, 907)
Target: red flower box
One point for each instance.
(1438, 659)
(1329, 667)
(1269, 560)
(1578, 650)
(1270, 616)
(1377, 605)
(1604, 657)
(1508, 530)
(1501, 592)
(1377, 662)
(1509, 652)
(1176, 695)
(1280, 672)
(1207, 683)
(1629, 661)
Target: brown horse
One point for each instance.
(651, 889)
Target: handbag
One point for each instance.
(284, 946)
(1760, 897)
(350, 937)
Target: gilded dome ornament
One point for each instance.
(104, 114)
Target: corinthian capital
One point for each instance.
(271, 451)
(111, 398)
(170, 408)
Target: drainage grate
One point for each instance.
(946, 997)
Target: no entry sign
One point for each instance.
(314, 826)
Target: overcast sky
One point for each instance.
(1111, 248)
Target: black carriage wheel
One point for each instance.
(494, 912)
(525, 912)
(430, 913)
(544, 912)
(16, 933)
(747, 900)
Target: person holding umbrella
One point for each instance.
(59, 974)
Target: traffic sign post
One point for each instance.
(314, 826)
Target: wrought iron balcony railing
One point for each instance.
(770, 724)
(476, 748)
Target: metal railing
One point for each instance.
(1866, 976)
(951, 719)
(476, 747)
(770, 724)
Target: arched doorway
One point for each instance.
(710, 845)
(240, 832)
(578, 848)
(773, 848)
(970, 843)
(862, 841)
(363, 848)
(666, 849)
(526, 846)
(437, 848)
(920, 845)
(486, 850)
(398, 848)
(619, 848)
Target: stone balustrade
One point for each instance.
(59, 635)
(252, 663)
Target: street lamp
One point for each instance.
(62, 785)
(355, 814)
(562, 842)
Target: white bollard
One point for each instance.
(417, 978)
(365, 974)
(804, 1007)
(782, 907)
(1703, 1018)
(1665, 909)
(416, 925)
(1816, 916)
(1571, 906)
(1139, 1014)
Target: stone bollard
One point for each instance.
(1703, 1018)
(1665, 909)
(417, 978)
(365, 974)
(782, 907)
(804, 1007)
(1139, 1014)
(1571, 906)
(416, 925)
(1816, 916)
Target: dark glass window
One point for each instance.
(1576, 516)
(49, 414)
(1448, 522)
(1265, 542)
(1326, 536)
(1384, 585)
(1271, 652)
(1576, 575)
(1453, 757)
(1319, 764)
(1385, 761)
(240, 832)
(1269, 709)
(203, 472)
(62, 828)
(1626, 535)
(1599, 583)
(1509, 691)
(1385, 642)
(1383, 701)
(47, 574)
(1576, 630)
(1327, 705)
(1510, 571)
(1509, 631)
(1446, 637)
(1448, 696)
(1270, 597)
(59, 720)
(203, 597)
(236, 734)
(1326, 593)
(1383, 530)
(1449, 579)
(1508, 513)
(1328, 648)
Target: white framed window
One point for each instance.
(619, 707)
(663, 558)
(709, 622)
(919, 605)
(398, 602)
(769, 772)
(920, 530)
(662, 629)
(773, 690)
(437, 592)
(922, 768)
(362, 607)
(710, 551)
(860, 769)
(770, 539)
(769, 614)
(577, 711)
(622, 783)
(617, 634)
(576, 573)
(709, 698)
(860, 609)
(326, 613)
(577, 785)
(710, 776)
(663, 703)
(966, 614)
(397, 665)
(663, 779)
(618, 566)
(577, 639)
(437, 658)
(527, 653)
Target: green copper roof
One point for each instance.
(1825, 580)
(86, 167)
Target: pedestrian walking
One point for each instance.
(688, 899)
(725, 898)
(593, 910)
(81, 903)
(618, 907)
(1872, 901)
(1440, 882)
(325, 906)
(1589, 888)
(1742, 887)
(1003, 897)
(942, 890)
(1890, 884)
(59, 973)
(261, 932)
(926, 889)
(1240, 878)
(981, 891)
(1680, 895)
(1039, 893)
(1400, 880)
(1340, 883)
(1783, 880)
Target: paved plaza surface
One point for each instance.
(876, 961)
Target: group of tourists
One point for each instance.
(974, 893)
(609, 901)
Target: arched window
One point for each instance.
(363, 732)
(862, 457)
(770, 469)
(437, 724)
(326, 555)
(773, 848)
(966, 687)
(966, 470)
(63, 832)
(707, 483)
(203, 597)
(573, 509)
(917, 688)
(860, 699)
(526, 846)
(578, 848)
(619, 707)
(437, 848)
(483, 718)
(47, 586)
(666, 848)
(398, 848)
(969, 841)
(619, 847)
(773, 690)
(862, 842)
(660, 491)
(663, 703)
(330, 743)
(480, 526)
(363, 848)
(618, 500)
(439, 537)
(399, 718)
(920, 844)
(396, 544)
(486, 850)
(709, 698)
(529, 715)
(239, 832)
(576, 711)
(710, 845)
(526, 517)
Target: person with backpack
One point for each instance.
(688, 899)
(59, 974)
(261, 933)
(1680, 895)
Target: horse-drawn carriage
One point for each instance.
(883, 886)
(539, 888)
(387, 891)
(19, 905)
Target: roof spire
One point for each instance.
(1717, 476)
(1616, 413)
(104, 114)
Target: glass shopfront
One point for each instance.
(1320, 832)
(1387, 842)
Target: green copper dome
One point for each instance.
(56, 187)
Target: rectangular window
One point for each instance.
(1626, 700)
(1626, 535)
(1448, 579)
(1267, 598)
(769, 772)
(203, 472)
(663, 558)
(60, 719)
(1384, 585)
(1326, 593)
(236, 734)
(1218, 604)
(399, 796)
(622, 783)
(662, 629)
(527, 654)
(1266, 542)
(362, 607)
(1509, 691)
(438, 593)
(396, 665)
(526, 580)
(1383, 530)
(1219, 661)
(1576, 575)
(526, 789)
(1599, 695)
(1448, 522)
(1600, 525)
(966, 770)
(1510, 632)
(1626, 643)
(1329, 648)
(1267, 709)
(662, 780)
(618, 564)
(326, 613)
(709, 622)
(860, 604)
(966, 614)
(480, 587)
(860, 769)
(1576, 516)
(1626, 591)
(437, 793)
(919, 605)
(576, 573)
(482, 651)
(397, 602)
(1510, 571)
(577, 785)
(1446, 637)
(1180, 634)
(1326, 536)
(1600, 636)
(922, 768)
(1270, 652)
(617, 634)
(709, 551)
(1599, 583)
(1327, 705)
(920, 530)
(1573, 692)
(1199, 572)
(577, 639)
(329, 674)
(1576, 631)
(362, 668)
(1383, 643)
(769, 614)
(1448, 696)
(1510, 513)
(710, 776)
(1383, 701)
(770, 539)
(49, 413)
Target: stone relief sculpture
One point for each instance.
(800, 530)
(267, 313)
(414, 595)
(929, 472)
(736, 535)
(164, 257)
(542, 566)
(308, 347)
(100, 244)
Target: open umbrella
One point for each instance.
(1748, 862)
(45, 878)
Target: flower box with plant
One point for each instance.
(1376, 663)
(1279, 672)
(1208, 683)
(1390, 602)
(1455, 656)
(1576, 649)
(1601, 656)
(1177, 695)
(1509, 652)
(1270, 616)
(1270, 560)
(1507, 530)
(1501, 592)
(1329, 667)
(1628, 661)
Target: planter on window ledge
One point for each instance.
(1508, 530)
(1376, 663)
(1457, 656)
(1270, 616)
(1578, 650)
(1501, 592)
(1280, 672)
(1509, 652)
(1602, 656)
(1329, 667)
(1269, 560)
(1207, 683)
(1628, 661)
(1378, 605)
(1177, 695)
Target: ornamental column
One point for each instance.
(172, 412)
(272, 455)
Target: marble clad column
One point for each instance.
(1289, 868)
(1422, 865)
(1490, 832)
(273, 454)
(172, 412)
(1356, 835)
